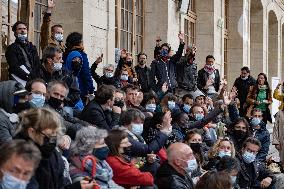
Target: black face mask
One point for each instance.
(196, 147)
(119, 103)
(47, 147)
(127, 151)
(239, 134)
(76, 67)
(19, 107)
(101, 153)
(55, 102)
(129, 63)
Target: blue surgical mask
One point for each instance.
(124, 77)
(191, 165)
(22, 37)
(255, 121)
(171, 104)
(223, 153)
(249, 157)
(233, 179)
(186, 108)
(38, 100)
(164, 53)
(11, 182)
(101, 153)
(137, 129)
(151, 107)
(199, 117)
(58, 37)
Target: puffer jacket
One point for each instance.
(168, 178)
(203, 77)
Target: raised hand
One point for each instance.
(181, 37)
(165, 87)
(99, 59)
(50, 5)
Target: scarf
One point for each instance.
(209, 69)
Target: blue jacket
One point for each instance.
(84, 77)
(263, 136)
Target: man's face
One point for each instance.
(21, 29)
(119, 96)
(257, 114)
(58, 58)
(18, 167)
(57, 30)
(184, 119)
(59, 92)
(38, 88)
(185, 156)
(240, 126)
(129, 58)
(142, 58)
(244, 74)
(252, 148)
(131, 95)
(188, 101)
(210, 61)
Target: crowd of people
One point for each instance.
(167, 125)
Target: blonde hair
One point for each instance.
(40, 119)
(213, 152)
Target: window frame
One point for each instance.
(190, 18)
(134, 33)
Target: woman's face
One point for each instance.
(196, 138)
(261, 80)
(101, 143)
(240, 126)
(225, 146)
(123, 144)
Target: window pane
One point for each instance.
(5, 11)
(130, 5)
(130, 22)
(4, 35)
(122, 19)
(14, 11)
(122, 3)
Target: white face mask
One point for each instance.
(11, 182)
(58, 37)
(137, 128)
(124, 77)
(22, 37)
(109, 74)
(191, 165)
(57, 66)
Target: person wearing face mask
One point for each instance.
(123, 79)
(175, 173)
(238, 132)
(168, 103)
(42, 127)
(208, 80)
(149, 101)
(221, 148)
(90, 141)
(22, 56)
(133, 121)
(164, 67)
(51, 36)
(74, 42)
(231, 166)
(126, 63)
(125, 173)
(37, 93)
(242, 84)
(261, 133)
(143, 73)
(108, 77)
(19, 155)
(253, 174)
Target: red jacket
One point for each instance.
(127, 175)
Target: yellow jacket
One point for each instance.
(280, 97)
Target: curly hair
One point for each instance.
(214, 150)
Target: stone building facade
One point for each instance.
(237, 32)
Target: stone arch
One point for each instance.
(256, 37)
(272, 45)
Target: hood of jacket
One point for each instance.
(68, 63)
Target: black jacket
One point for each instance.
(168, 178)
(243, 87)
(162, 72)
(143, 75)
(49, 174)
(94, 114)
(259, 170)
(15, 58)
(187, 74)
(203, 77)
(101, 79)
